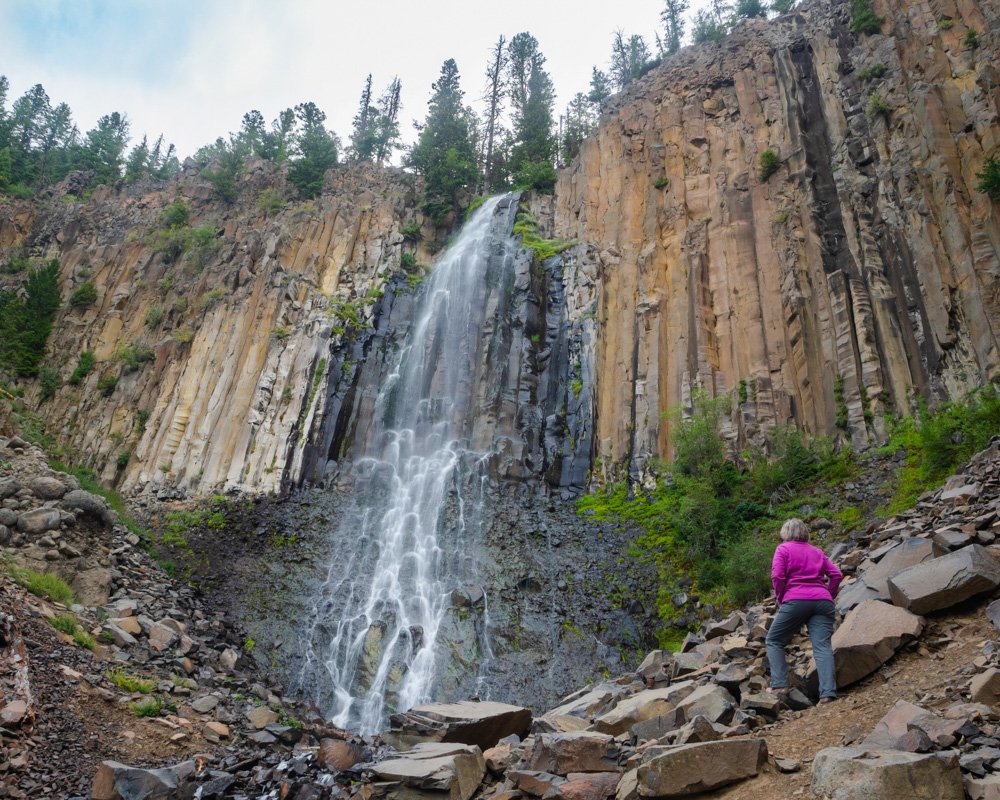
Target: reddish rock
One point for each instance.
(336, 754)
(577, 751)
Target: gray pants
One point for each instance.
(818, 615)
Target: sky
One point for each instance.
(191, 68)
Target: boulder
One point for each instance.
(481, 724)
(987, 788)
(943, 582)
(710, 701)
(589, 786)
(642, 706)
(47, 488)
(336, 754)
(658, 727)
(90, 504)
(115, 781)
(39, 521)
(261, 716)
(578, 751)
(873, 583)
(585, 704)
(985, 687)
(692, 768)
(454, 769)
(845, 773)
(698, 729)
(536, 784)
(869, 636)
(893, 725)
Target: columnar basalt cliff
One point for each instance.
(867, 260)
(860, 275)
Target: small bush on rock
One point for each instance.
(127, 681)
(85, 295)
(863, 18)
(768, 165)
(989, 179)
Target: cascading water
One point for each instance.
(375, 628)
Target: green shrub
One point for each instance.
(863, 18)
(205, 241)
(971, 40)
(767, 165)
(149, 707)
(280, 332)
(167, 283)
(171, 242)
(43, 584)
(26, 320)
(411, 230)
(182, 335)
(154, 316)
(84, 639)
(841, 404)
(127, 681)
(877, 105)
(180, 304)
(64, 623)
(135, 353)
(989, 179)
(782, 217)
(872, 72)
(83, 368)
(48, 383)
(270, 201)
(946, 25)
(210, 298)
(746, 566)
(409, 262)
(540, 177)
(662, 182)
(106, 385)
(123, 458)
(141, 418)
(175, 215)
(85, 295)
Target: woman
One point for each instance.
(805, 583)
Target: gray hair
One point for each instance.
(794, 530)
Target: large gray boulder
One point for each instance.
(37, 522)
(642, 706)
(851, 773)
(116, 781)
(868, 637)
(576, 751)
(576, 710)
(711, 701)
(91, 504)
(453, 771)
(693, 768)
(480, 724)
(945, 581)
(47, 488)
(873, 583)
(893, 726)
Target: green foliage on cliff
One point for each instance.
(767, 165)
(83, 368)
(85, 295)
(317, 151)
(26, 321)
(863, 18)
(989, 179)
(526, 226)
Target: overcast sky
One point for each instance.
(191, 68)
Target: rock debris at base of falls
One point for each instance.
(684, 723)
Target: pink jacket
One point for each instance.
(803, 572)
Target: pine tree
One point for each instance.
(387, 123)
(317, 151)
(494, 96)
(443, 154)
(600, 89)
(673, 23)
(138, 161)
(363, 135)
(579, 125)
(25, 323)
(104, 146)
(628, 58)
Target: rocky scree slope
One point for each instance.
(921, 619)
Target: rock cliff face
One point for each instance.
(865, 268)
(227, 347)
(861, 274)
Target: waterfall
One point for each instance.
(403, 547)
